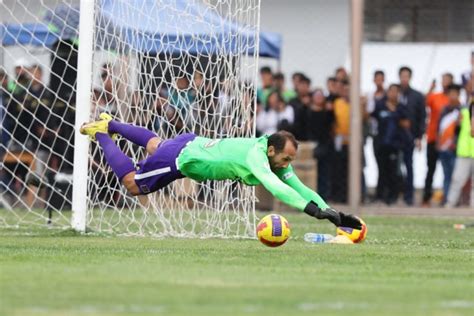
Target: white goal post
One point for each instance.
(172, 66)
(83, 97)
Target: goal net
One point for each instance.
(172, 66)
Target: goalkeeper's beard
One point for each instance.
(273, 165)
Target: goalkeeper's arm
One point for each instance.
(289, 195)
(317, 207)
(278, 188)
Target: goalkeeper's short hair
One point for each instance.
(278, 140)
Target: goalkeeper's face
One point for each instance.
(281, 160)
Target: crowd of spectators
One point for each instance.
(36, 132)
(396, 117)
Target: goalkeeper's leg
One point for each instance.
(136, 134)
(124, 168)
(154, 172)
(120, 163)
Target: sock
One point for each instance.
(120, 163)
(135, 134)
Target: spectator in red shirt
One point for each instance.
(435, 103)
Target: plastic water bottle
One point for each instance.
(318, 238)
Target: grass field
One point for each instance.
(411, 266)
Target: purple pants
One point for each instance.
(160, 169)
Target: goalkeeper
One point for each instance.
(264, 160)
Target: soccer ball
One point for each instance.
(356, 235)
(273, 230)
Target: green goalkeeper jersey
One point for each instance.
(244, 160)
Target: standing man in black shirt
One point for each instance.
(320, 130)
(301, 105)
(414, 104)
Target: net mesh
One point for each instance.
(168, 65)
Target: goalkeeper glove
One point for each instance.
(335, 217)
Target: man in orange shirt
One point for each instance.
(435, 102)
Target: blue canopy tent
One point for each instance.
(28, 33)
(188, 29)
(178, 25)
(175, 26)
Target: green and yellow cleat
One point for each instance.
(101, 126)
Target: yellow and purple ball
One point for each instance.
(273, 230)
(356, 235)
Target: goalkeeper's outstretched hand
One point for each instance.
(349, 220)
(335, 217)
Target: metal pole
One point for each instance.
(83, 106)
(355, 146)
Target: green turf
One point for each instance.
(407, 266)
